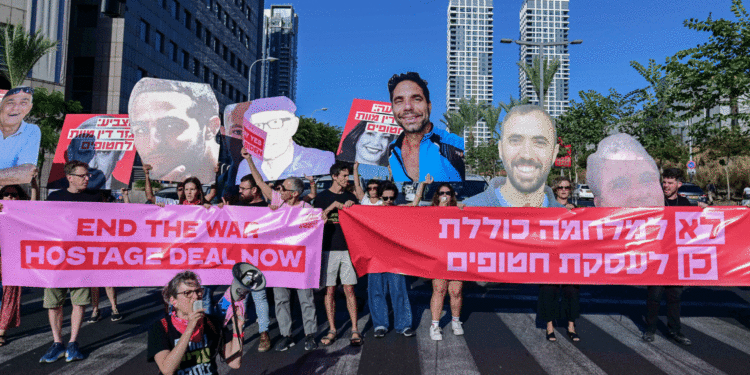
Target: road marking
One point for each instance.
(727, 333)
(662, 353)
(560, 357)
(449, 356)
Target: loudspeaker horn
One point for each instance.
(246, 278)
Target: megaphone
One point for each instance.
(246, 278)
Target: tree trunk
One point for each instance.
(729, 191)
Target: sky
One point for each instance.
(349, 49)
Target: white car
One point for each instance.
(583, 192)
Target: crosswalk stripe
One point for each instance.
(729, 334)
(561, 357)
(449, 356)
(340, 357)
(33, 341)
(662, 353)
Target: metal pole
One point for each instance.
(541, 76)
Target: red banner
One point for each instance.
(625, 246)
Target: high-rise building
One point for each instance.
(113, 45)
(470, 57)
(50, 19)
(280, 41)
(546, 21)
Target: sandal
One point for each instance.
(574, 336)
(328, 339)
(551, 336)
(356, 341)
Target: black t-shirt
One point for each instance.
(199, 356)
(333, 236)
(680, 201)
(247, 204)
(85, 196)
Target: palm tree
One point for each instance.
(497, 131)
(21, 51)
(533, 72)
(469, 112)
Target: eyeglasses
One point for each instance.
(563, 188)
(189, 293)
(281, 188)
(372, 188)
(86, 175)
(11, 194)
(441, 193)
(273, 124)
(388, 199)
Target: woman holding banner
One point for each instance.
(188, 340)
(445, 196)
(10, 314)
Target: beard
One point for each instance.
(527, 186)
(415, 128)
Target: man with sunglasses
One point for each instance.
(282, 157)
(380, 283)
(77, 173)
(20, 140)
(562, 188)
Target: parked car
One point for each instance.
(693, 193)
(582, 191)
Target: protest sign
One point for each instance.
(625, 246)
(369, 130)
(20, 140)
(104, 142)
(95, 244)
(253, 138)
(282, 157)
(174, 125)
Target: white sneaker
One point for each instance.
(435, 333)
(458, 328)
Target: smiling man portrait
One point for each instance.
(20, 140)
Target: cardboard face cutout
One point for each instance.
(622, 174)
(20, 141)
(282, 157)
(369, 130)
(104, 142)
(174, 125)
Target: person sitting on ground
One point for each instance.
(187, 341)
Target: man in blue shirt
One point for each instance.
(20, 141)
(421, 149)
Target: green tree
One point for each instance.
(469, 112)
(713, 74)
(533, 72)
(512, 102)
(48, 112)
(312, 133)
(21, 51)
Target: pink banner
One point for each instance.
(67, 244)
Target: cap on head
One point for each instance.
(277, 103)
(16, 90)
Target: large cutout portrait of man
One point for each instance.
(421, 149)
(174, 125)
(282, 157)
(20, 140)
(527, 149)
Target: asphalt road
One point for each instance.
(502, 337)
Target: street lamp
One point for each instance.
(319, 109)
(541, 46)
(250, 74)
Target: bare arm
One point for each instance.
(420, 190)
(125, 197)
(34, 186)
(21, 174)
(211, 193)
(169, 360)
(149, 192)
(264, 188)
(313, 190)
(233, 349)
(358, 191)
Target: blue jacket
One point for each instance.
(489, 198)
(441, 154)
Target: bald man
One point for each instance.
(527, 149)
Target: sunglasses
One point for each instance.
(372, 188)
(281, 188)
(189, 293)
(563, 188)
(11, 194)
(87, 175)
(441, 193)
(388, 199)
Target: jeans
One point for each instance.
(377, 286)
(261, 309)
(208, 302)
